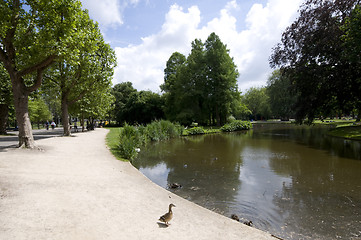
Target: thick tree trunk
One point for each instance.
(4, 110)
(26, 138)
(65, 116)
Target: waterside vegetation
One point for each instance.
(126, 142)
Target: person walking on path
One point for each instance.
(53, 125)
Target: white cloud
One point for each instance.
(144, 64)
(106, 12)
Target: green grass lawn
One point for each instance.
(112, 140)
(350, 132)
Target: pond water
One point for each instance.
(293, 182)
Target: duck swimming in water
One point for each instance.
(168, 216)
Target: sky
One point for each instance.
(145, 33)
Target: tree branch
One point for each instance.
(39, 66)
(38, 80)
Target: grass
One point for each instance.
(112, 140)
(348, 132)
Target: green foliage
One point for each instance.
(203, 87)
(39, 111)
(129, 141)
(5, 86)
(318, 52)
(281, 97)
(195, 131)
(131, 138)
(162, 130)
(236, 125)
(257, 101)
(136, 107)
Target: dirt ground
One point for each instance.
(75, 189)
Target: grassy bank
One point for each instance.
(112, 141)
(348, 132)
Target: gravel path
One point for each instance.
(75, 189)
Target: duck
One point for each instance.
(235, 217)
(248, 223)
(174, 185)
(168, 216)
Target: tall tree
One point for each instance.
(122, 93)
(171, 81)
(311, 52)
(204, 87)
(281, 98)
(88, 69)
(221, 78)
(257, 101)
(32, 35)
(352, 44)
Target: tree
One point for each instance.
(33, 34)
(352, 44)
(88, 69)
(311, 54)
(281, 99)
(256, 100)
(171, 82)
(39, 111)
(172, 66)
(135, 107)
(122, 93)
(221, 79)
(204, 87)
(5, 98)
(144, 107)
(93, 106)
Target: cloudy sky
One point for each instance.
(144, 34)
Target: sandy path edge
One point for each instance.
(75, 189)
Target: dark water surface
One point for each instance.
(293, 182)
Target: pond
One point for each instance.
(293, 182)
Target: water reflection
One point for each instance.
(293, 182)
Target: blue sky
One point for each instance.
(144, 34)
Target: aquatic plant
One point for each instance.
(194, 131)
(129, 140)
(236, 125)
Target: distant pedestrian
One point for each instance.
(75, 126)
(53, 125)
(47, 125)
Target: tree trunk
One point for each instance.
(65, 116)
(26, 138)
(4, 110)
(218, 116)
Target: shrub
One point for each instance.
(162, 130)
(129, 140)
(194, 131)
(237, 125)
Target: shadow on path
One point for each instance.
(12, 140)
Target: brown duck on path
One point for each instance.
(168, 216)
